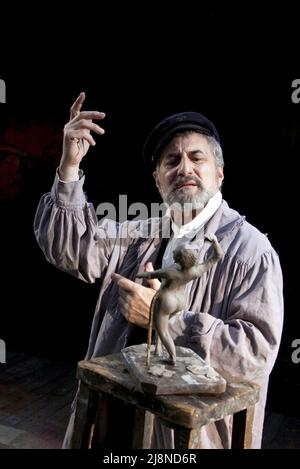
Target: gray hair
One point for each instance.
(216, 150)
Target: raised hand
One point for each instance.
(78, 138)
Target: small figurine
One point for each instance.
(171, 298)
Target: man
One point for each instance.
(234, 315)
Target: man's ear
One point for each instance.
(155, 175)
(220, 171)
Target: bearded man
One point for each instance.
(234, 313)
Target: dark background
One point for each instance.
(242, 85)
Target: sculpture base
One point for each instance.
(190, 375)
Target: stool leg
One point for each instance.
(186, 438)
(84, 417)
(143, 429)
(242, 429)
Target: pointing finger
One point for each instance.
(75, 109)
(123, 282)
(88, 115)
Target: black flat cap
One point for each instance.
(165, 130)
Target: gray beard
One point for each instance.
(183, 206)
(182, 203)
(180, 199)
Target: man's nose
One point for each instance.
(185, 166)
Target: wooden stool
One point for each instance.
(185, 414)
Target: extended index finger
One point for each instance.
(124, 282)
(75, 109)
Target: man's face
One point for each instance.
(187, 173)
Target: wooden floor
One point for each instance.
(35, 399)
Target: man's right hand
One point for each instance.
(78, 138)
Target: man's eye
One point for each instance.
(171, 161)
(198, 158)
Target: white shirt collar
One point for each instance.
(194, 225)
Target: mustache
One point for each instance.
(186, 180)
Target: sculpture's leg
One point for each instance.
(162, 327)
(158, 346)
